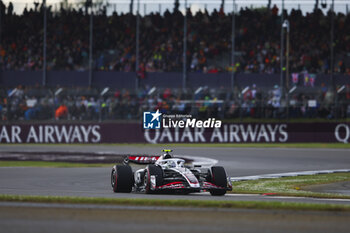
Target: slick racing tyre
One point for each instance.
(122, 179)
(218, 177)
(153, 170)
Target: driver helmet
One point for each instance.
(171, 164)
(167, 155)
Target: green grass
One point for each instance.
(50, 164)
(178, 203)
(292, 186)
(234, 145)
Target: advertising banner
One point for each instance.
(135, 133)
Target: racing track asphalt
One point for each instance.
(39, 217)
(95, 182)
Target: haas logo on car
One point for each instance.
(143, 159)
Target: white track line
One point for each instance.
(287, 174)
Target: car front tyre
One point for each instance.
(219, 178)
(122, 179)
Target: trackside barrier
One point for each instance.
(134, 133)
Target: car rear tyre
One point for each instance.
(219, 178)
(122, 179)
(153, 170)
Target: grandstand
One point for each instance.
(107, 60)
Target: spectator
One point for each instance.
(162, 42)
(61, 112)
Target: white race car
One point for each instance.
(166, 174)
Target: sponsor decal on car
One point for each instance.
(173, 185)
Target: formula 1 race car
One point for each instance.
(167, 174)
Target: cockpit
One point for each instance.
(171, 163)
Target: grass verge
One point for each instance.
(178, 203)
(292, 186)
(50, 164)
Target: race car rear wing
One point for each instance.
(141, 159)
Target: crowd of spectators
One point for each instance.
(161, 45)
(23, 103)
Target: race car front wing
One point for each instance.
(180, 185)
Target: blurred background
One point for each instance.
(106, 60)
